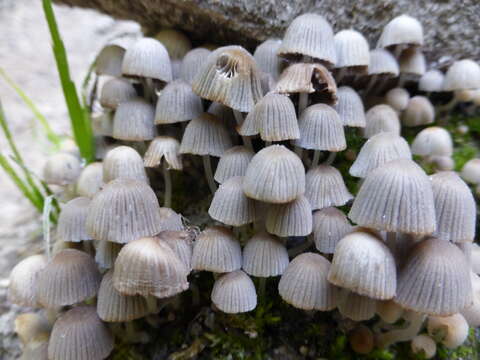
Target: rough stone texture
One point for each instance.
(451, 26)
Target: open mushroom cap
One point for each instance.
(217, 250)
(433, 141)
(191, 63)
(330, 225)
(290, 219)
(309, 35)
(401, 30)
(177, 103)
(22, 289)
(147, 58)
(79, 334)
(112, 306)
(325, 187)
(321, 129)
(205, 135)
(381, 118)
(123, 162)
(230, 76)
(304, 283)
(379, 150)
(69, 278)
(146, 267)
(133, 121)
(352, 51)
(350, 107)
(265, 255)
(166, 148)
(396, 196)
(274, 175)
(455, 208)
(273, 117)
(432, 262)
(462, 75)
(363, 264)
(230, 205)
(71, 222)
(234, 293)
(122, 211)
(233, 162)
(431, 81)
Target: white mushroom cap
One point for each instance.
(419, 111)
(381, 118)
(234, 293)
(382, 62)
(402, 30)
(432, 81)
(123, 162)
(451, 330)
(397, 98)
(471, 171)
(433, 141)
(350, 107)
(462, 75)
(352, 49)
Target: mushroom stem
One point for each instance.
(167, 200)
(152, 304)
(300, 248)
(298, 151)
(316, 158)
(371, 82)
(399, 335)
(207, 166)
(341, 74)
(302, 103)
(392, 241)
(262, 285)
(246, 139)
(401, 80)
(331, 158)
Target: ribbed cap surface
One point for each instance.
(350, 107)
(115, 91)
(233, 162)
(133, 121)
(192, 62)
(290, 219)
(164, 147)
(381, 118)
(22, 289)
(234, 293)
(181, 244)
(266, 57)
(330, 225)
(123, 162)
(325, 187)
(356, 307)
(72, 219)
(352, 50)
(382, 62)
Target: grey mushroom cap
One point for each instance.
(123, 162)
(330, 225)
(191, 63)
(350, 107)
(382, 62)
(133, 121)
(71, 222)
(234, 293)
(233, 162)
(23, 281)
(266, 57)
(115, 91)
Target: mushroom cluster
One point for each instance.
(397, 244)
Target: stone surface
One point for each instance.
(451, 27)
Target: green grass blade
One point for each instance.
(51, 135)
(81, 127)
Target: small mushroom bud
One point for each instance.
(451, 331)
(424, 344)
(361, 340)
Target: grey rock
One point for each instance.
(451, 27)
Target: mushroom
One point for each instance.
(23, 281)
(353, 55)
(266, 57)
(433, 141)
(451, 331)
(356, 307)
(290, 219)
(180, 241)
(471, 171)
(423, 345)
(90, 180)
(381, 118)
(233, 162)
(115, 91)
(330, 225)
(72, 219)
(123, 162)
(419, 112)
(431, 81)
(133, 121)
(234, 293)
(191, 63)
(61, 169)
(350, 107)
(382, 65)
(397, 98)
(402, 31)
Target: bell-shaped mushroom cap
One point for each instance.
(192, 62)
(170, 220)
(382, 62)
(432, 262)
(274, 175)
(147, 58)
(412, 62)
(363, 264)
(352, 50)
(356, 307)
(290, 219)
(79, 334)
(180, 241)
(123, 211)
(330, 225)
(471, 171)
(61, 169)
(109, 59)
(217, 250)
(397, 98)
(230, 76)
(462, 75)
(396, 196)
(308, 78)
(454, 329)
(381, 118)
(163, 147)
(230, 205)
(401, 30)
(176, 43)
(133, 121)
(233, 162)
(431, 81)
(266, 57)
(321, 129)
(115, 91)
(176, 103)
(22, 289)
(115, 307)
(309, 35)
(90, 180)
(350, 107)
(69, 278)
(419, 112)
(325, 187)
(71, 222)
(265, 255)
(123, 162)
(146, 267)
(378, 150)
(234, 293)
(423, 345)
(304, 283)
(273, 117)
(106, 253)
(455, 208)
(205, 135)
(472, 313)
(433, 141)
